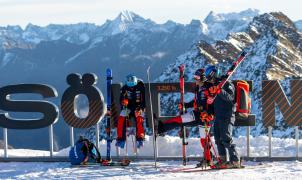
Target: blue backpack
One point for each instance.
(81, 150)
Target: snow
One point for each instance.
(168, 146)
(6, 59)
(145, 170)
(84, 37)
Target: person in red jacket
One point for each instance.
(132, 101)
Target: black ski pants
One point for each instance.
(223, 129)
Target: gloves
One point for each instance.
(210, 100)
(206, 117)
(214, 90)
(108, 113)
(138, 112)
(180, 106)
(125, 102)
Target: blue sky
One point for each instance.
(43, 12)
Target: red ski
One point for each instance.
(231, 71)
(182, 111)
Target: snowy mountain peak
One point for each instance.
(124, 21)
(219, 17)
(250, 13)
(125, 17)
(195, 22)
(218, 25)
(31, 26)
(275, 19)
(212, 17)
(128, 18)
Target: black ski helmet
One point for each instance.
(200, 75)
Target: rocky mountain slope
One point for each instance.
(274, 46)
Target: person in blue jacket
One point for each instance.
(84, 152)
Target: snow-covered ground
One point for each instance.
(146, 170)
(168, 146)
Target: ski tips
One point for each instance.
(109, 72)
(181, 67)
(243, 53)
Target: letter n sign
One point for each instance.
(273, 94)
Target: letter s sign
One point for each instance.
(48, 109)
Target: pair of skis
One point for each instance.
(199, 169)
(108, 161)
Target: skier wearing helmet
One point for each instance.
(202, 115)
(224, 112)
(132, 101)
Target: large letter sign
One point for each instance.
(273, 94)
(48, 109)
(96, 101)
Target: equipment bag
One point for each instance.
(243, 101)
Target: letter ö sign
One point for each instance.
(77, 85)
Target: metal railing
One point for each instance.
(52, 158)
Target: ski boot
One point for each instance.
(204, 164)
(221, 164)
(139, 143)
(125, 162)
(235, 164)
(120, 143)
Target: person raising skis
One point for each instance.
(202, 114)
(132, 101)
(224, 113)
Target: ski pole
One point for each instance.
(152, 120)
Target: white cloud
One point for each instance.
(43, 12)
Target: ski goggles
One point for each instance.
(131, 81)
(131, 78)
(198, 78)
